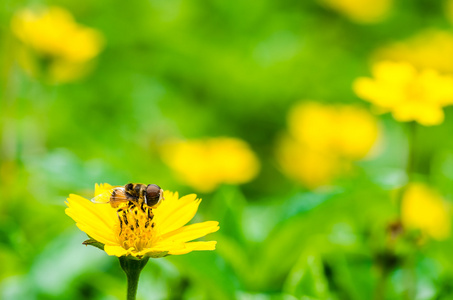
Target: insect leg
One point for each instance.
(121, 221)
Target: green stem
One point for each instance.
(409, 280)
(381, 284)
(411, 162)
(132, 267)
(411, 159)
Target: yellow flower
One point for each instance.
(206, 163)
(53, 36)
(423, 208)
(324, 140)
(166, 235)
(430, 49)
(410, 95)
(345, 130)
(361, 11)
(310, 167)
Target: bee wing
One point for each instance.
(106, 196)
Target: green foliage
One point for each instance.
(192, 69)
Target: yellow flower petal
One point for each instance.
(365, 88)
(427, 115)
(96, 219)
(115, 250)
(190, 232)
(408, 93)
(53, 34)
(103, 212)
(427, 49)
(430, 117)
(194, 246)
(158, 251)
(361, 11)
(174, 213)
(102, 188)
(206, 163)
(396, 73)
(423, 208)
(98, 234)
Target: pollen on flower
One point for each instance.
(136, 227)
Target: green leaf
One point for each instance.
(203, 268)
(94, 243)
(307, 278)
(157, 254)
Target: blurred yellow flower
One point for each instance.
(166, 235)
(410, 95)
(53, 36)
(310, 167)
(346, 130)
(430, 49)
(361, 11)
(206, 163)
(423, 208)
(323, 140)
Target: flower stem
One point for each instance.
(132, 267)
(411, 163)
(411, 159)
(381, 285)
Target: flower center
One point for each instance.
(416, 92)
(136, 226)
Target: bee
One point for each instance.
(131, 197)
(136, 194)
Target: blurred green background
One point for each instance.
(189, 70)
